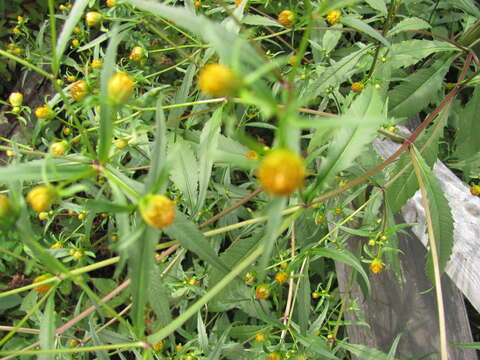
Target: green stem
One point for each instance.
(53, 36)
(26, 64)
(138, 344)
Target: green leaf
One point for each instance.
(345, 257)
(106, 206)
(107, 110)
(193, 240)
(141, 262)
(468, 6)
(348, 142)
(317, 345)
(158, 152)
(406, 185)
(302, 308)
(333, 75)
(362, 26)
(441, 217)
(158, 296)
(49, 170)
(202, 333)
(217, 351)
(182, 94)
(472, 345)
(409, 52)
(466, 138)
(184, 173)
(412, 23)
(100, 354)
(75, 14)
(378, 5)
(417, 90)
(364, 352)
(104, 37)
(208, 144)
(260, 20)
(393, 348)
(47, 328)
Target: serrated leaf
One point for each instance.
(47, 328)
(158, 296)
(466, 138)
(260, 20)
(409, 52)
(364, 352)
(363, 27)
(348, 142)
(202, 333)
(208, 145)
(411, 23)
(188, 235)
(75, 14)
(468, 6)
(182, 94)
(418, 90)
(302, 310)
(141, 262)
(184, 173)
(156, 176)
(334, 74)
(441, 217)
(406, 185)
(345, 257)
(100, 354)
(317, 345)
(378, 5)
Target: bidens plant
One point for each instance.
(157, 210)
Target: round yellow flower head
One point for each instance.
(357, 86)
(475, 190)
(79, 90)
(41, 198)
(376, 266)
(252, 155)
(249, 277)
(262, 292)
(120, 87)
(159, 345)
(281, 172)
(137, 53)
(96, 63)
(5, 206)
(58, 148)
(93, 18)
(157, 210)
(111, 3)
(57, 245)
(315, 295)
(286, 18)
(218, 80)
(281, 277)
(274, 356)
(42, 289)
(44, 112)
(15, 99)
(197, 4)
(333, 16)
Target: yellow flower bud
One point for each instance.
(281, 277)
(79, 90)
(41, 198)
(137, 53)
(20, 20)
(15, 99)
(286, 18)
(93, 18)
(192, 282)
(333, 16)
(44, 112)
(157, 210)
(77, 254)
(70, 78)
(96, 64)
(315, 295)
(249, 277)
(197, 4)
(357, 86)
(262, 292)
(73, 343)
(9, 153)
(121, 144)
(260, 337)
(16, 31)
(42, 289)
(57, 245)
(376, 266)
(120, 87)
(292, 60)
(81, 216)
(274, 356)
(159, 345)
(475, 190)
(66, 131)
(251, 155)
(75, 43)
(281, 172)
(218, 80)
(58, 148)
(5, 206)
(43, 215)
(77, 30)
(110, 3)
(17, 51)
(372, 242)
